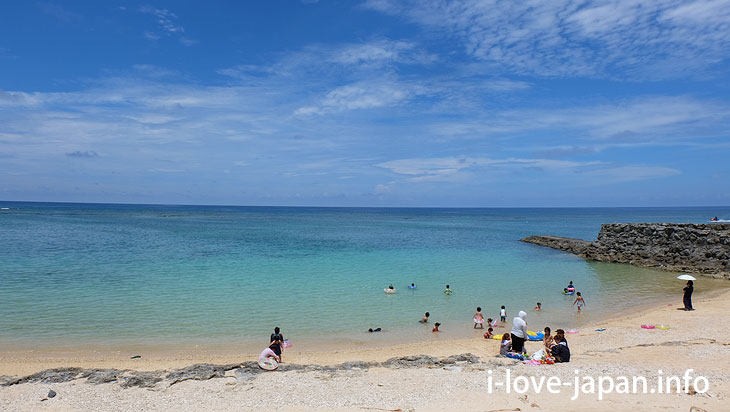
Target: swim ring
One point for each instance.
(286, 344)
(268, 364)
(648, 326)
(390, 291)
(568, 293)
(411, 287)
(448, 292)
(571, 331)
(665, 327)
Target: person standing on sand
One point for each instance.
(688, 295)
(519, 332)
(277, 341)
(479, 319)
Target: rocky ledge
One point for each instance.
(240, 371)
(679, 247)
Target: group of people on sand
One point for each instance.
(556, 347)
(275, 348)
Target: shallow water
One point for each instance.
(73, 274)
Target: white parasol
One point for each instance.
(686, 277)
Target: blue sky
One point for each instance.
(366, 103)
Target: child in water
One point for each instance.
(503, 314)
(489, 333)
(479, 318)
(538, 307)
(436, 327)
(448, 291)
(579, 301)
(425, 318)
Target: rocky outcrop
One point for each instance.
(241, 372)
(567, 244)
(679, 247)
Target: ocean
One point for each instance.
(109, 275)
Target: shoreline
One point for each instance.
(21, 362)
(439, 375)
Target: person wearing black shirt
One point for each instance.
(561, 351)
(688, 295)
(277, 340)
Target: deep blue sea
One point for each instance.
(115, 275)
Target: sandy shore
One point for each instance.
(698, 340)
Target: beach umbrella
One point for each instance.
(686, 277)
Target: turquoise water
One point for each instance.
(77, 274)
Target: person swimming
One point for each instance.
(413, 286)
(425, 318)
(390, 289)
(371, 330)
(448, 291)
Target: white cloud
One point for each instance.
(363, 95)
(445, 169)
(165, 18)
(636, 119)
(622, 174)
(656, 39)
(380, 52)
(440, 168)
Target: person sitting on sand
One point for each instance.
(548, 340)
(538, 307)
(436, 327)
(371, 330)
(277, 342)
(561, 333)
(579, 301)
(268, 353)
(479, 318)
(492, 323)
(489, 333)
(560, 351)
(448, 291)
(425, 318)
(506, 345)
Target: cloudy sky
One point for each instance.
(367, 103)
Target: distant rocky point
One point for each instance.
(678, 247)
